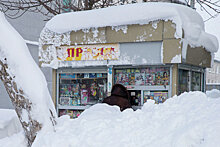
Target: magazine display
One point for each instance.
(151, 76)
(82, 89)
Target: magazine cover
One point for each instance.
(165, 78)
(68, 76)
(80, 75)
(101, 92)
(65, 101)
(99, 75)
(74, 101)
(62, 112)
(84, 96)
(74, 113)
(92, 75)
(149, 79)
(116, 79)
(93, 89)
(132, 79)
(147, 96)
(123, 79)
(160, 97)
(75, 89)
(139, 78)
(86, 75)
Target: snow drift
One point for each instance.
(9, 123)
(191, 119)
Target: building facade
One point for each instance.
(213, 76)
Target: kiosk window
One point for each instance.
(183, 81)
(196, 81)
(190, 81)
(78, 89)
(150, 76)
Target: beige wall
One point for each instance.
(198, 56)
(154, 31)
(54, 90)
(174, 79)
(171, 49)
(129, 33)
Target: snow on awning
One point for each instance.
(142, 13)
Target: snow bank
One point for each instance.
(9, 123)
(191, 119)
(214, 93)
(16, 140)
(141, 13)
(25, 73)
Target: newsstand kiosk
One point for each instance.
(150, 61)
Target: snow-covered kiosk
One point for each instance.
(156, 50)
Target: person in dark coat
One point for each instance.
(119, 96)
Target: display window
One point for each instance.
(150, 76)
(196, 81)
(183, 81)
(78, 91)
(144, 83)
(82, 88)
(191, 79)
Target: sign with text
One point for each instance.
(88, 52)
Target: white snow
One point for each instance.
(141, 13)
(25, 72)
(214, 93)
(32, 42)
(16, 140)
(9, 123)
(191, 119)
(176, 59)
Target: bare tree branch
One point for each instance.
(49, 8)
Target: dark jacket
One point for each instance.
(122, 102)
(119, 97)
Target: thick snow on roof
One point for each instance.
(141, 13)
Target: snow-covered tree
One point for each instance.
(24, 83)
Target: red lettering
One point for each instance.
(70, 52)
(78, 51)
(102, 51)
(112, 49)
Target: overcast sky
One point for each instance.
(212, 26)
